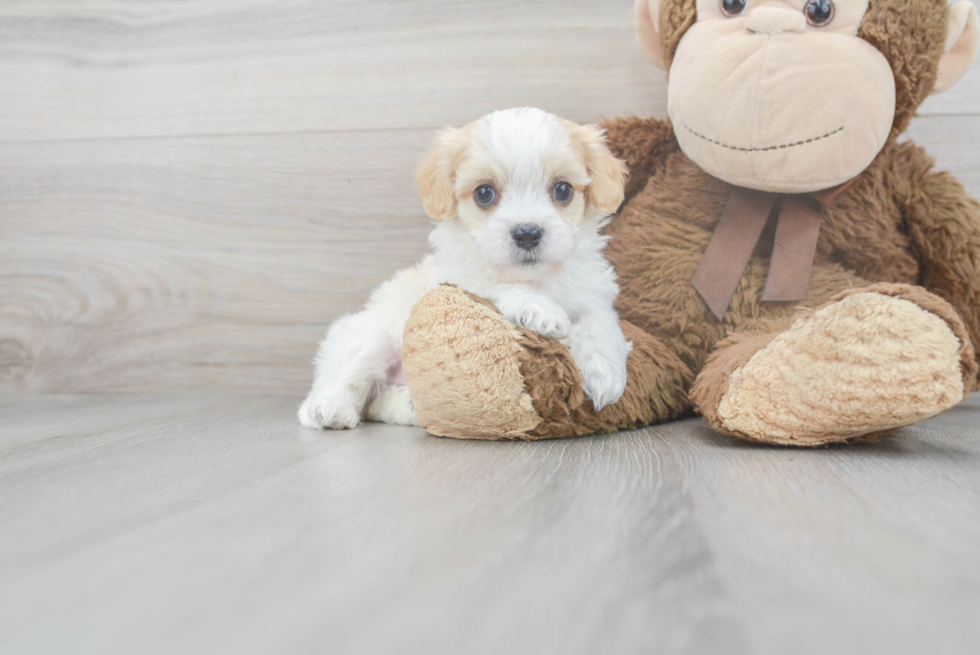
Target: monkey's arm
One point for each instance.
(944, 225)
(643, 143)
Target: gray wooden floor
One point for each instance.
(179, 524)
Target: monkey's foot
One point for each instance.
(473, 375)
(461, 359)
(867, 363)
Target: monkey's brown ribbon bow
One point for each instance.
(742, 221)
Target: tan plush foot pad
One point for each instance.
(474, 376)
(461, 360)
(867, 363)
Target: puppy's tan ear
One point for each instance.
(608, 174)
(436, 177)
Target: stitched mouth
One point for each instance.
(767, 148)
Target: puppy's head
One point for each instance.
(523, 184)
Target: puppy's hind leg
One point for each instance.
(351, 365)
(361, 350)
(394, 406)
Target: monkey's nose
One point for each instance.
(772, 20)
(527, 237)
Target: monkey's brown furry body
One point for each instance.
(886, 337)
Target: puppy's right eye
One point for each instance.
(484, 195)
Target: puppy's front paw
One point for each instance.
(330, 411)
(604, 380)
(548, 320)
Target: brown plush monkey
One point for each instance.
(787, 267)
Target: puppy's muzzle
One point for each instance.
(527, 237)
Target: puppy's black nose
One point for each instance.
(527, 237)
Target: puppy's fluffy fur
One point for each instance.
(520, 197)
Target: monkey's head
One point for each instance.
(796, 96)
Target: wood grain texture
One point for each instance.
(113, 68)
(109, 69)
(190, 192)
(195, 263)
(181, 523)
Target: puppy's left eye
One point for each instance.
(563, 192)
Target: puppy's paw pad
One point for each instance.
(547, 321)
(329, 414)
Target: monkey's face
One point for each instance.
(780, 95)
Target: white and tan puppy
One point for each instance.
(520, 197)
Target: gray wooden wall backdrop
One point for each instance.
(191, 191)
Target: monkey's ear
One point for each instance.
(962, 41)
(647, 17)
(436, 177)
(607, 174)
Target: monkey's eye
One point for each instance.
(732, 8)
(819, 12)
(563, 192)
(484, 195)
